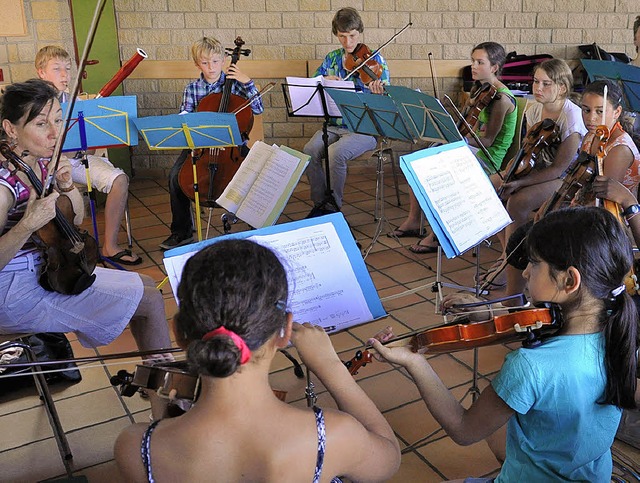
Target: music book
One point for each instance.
(329, 284)
(263, 184)
(305, 97)
(459, 201)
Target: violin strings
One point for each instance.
(79, 366)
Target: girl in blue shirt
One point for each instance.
(561, 401)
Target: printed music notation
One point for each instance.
(456, 195)
(263, 184)
(323, 288)
(326, 286)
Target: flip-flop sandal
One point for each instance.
(412, 233)
(422, 249)
(118, 258)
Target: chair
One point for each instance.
(8, 341)
(521, 107)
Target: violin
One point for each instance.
(216, 167)
(481, 97)
(71, 255)
(528, 325)
(361, 59)
(162, 378)
(542, 135)
(169, 380)
(580, 175)
(602, 134)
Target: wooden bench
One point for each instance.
(274, 69)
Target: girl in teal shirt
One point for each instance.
(561, 401)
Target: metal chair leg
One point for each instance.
(127, 223)
(393, 157)
(45, 395)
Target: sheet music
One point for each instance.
(272, 182)
(323, 286)
(245, 176)
(302, 88)
(323, 289)
(263, 184)
(458, 195)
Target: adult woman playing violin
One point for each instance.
(494, 125)
(562, 400)
(552, 83)
(31, 119)
(232, 320)
(209, 56)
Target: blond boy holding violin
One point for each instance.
(344, 145)
(209, 56)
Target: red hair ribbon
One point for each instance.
(245, 352)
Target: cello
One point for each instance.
(215, 167)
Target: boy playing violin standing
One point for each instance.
(209, 56)
(344, 145)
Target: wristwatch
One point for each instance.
(631, 210)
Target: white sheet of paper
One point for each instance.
(299, 96)
(247, 173)
(454, 182)
(323, 288)
(267, 188)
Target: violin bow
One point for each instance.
(262, 92)
(57, 151)
(474, 136)
(375, 52)
(433, 76)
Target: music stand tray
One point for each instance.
(108, 122)
(193, 130)
(627, 76)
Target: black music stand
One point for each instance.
(305, 100)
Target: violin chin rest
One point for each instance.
(84, 282)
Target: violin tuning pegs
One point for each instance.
(122, 377)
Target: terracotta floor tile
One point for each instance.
(93, 412)
(102, 473)
(414, 469)
(33, 462)
(456, 461)
(389, 390)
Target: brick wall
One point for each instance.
(287, 29)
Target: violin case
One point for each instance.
(594, 52)
(517, 72)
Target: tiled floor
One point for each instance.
(93, 412)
